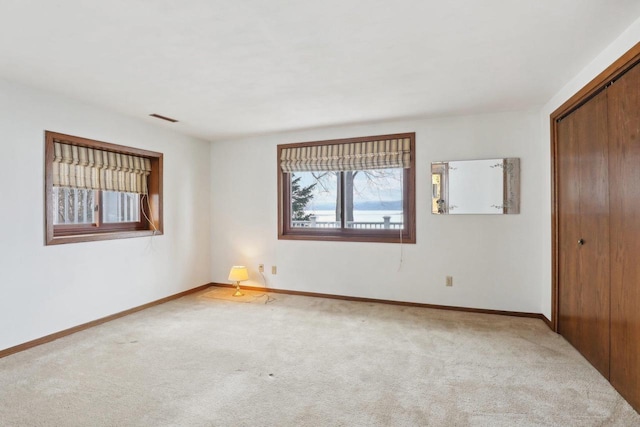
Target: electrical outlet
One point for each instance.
(274, 269)
(261, 268)
(449, 280)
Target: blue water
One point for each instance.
(359, 216)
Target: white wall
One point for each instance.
(45, 289)
(494, 259)
(607, 57)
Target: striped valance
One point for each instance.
(375, 154)
(93, 169)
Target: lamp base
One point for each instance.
(238, 293)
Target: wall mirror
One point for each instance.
(476, 187)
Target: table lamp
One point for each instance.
(238, 274)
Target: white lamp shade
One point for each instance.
(238, 273)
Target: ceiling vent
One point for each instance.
(158, 116)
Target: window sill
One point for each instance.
(349, 237)
(59, 240)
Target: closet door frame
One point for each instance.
(595, 86)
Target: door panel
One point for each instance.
(583, 208)
(568, 230)
(624, 127)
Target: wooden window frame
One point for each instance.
(408, 234)
(73, 233)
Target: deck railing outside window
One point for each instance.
(385, 225)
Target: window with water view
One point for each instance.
(365, 199)
(359, 189)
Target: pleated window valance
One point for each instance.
(362, 155)
(89, 168)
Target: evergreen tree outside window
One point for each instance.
(300, 198)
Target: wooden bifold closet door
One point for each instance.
(624, 171)
(584, 231)
(598, 231)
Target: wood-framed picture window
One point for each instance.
(355, 189)
(98, 191)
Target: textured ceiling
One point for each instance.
(228, 69)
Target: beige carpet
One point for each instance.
(300, 361)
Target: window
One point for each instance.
(358, 189)
(99, 191)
